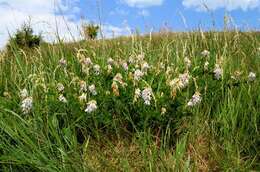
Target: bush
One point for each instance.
(90, 31)
(24, 38)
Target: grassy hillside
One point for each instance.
(161, 102)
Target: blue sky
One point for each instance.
(119, 17)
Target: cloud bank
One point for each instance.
(226, 4)
(143, 3)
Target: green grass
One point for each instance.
(221, 133)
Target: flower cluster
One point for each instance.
(27, 101)
(138, 74)
(91, 106)
(218, 72)
(205, 53)
(181, 82)
(195, 100)
(251, 76)
(147, 95)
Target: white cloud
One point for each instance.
(43, 16)
(118, 11)
(46, 18)
(226, 4)
(143, 3)
(144, 13)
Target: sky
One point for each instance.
(122, 17)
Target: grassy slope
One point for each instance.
(222, 133)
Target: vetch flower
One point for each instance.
(115, 89)
(91, 106)
(206, 66)
(205, 53)
(24, 93)
(96, 69)
(195, 100)
(138, 74)
(110, 61)
(109, 69)
(92, 89)
(145, 66)
(183, 80)
(83, 86)
(83, 97)
(125, 66)
(6, 94)
(107, 93)
(163, 110)
(251, 76)
(63, 62)
(236, 76)
(140, 57)
(131, 60)
(187, 62)
(60, 87)
(137, 94)
(218, 72)
(86, 61)
(62, 99)
(119, 78)
(27, 105)
(147, 95)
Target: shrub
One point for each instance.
(24, 38)
(90, 31)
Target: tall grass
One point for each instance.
(221, 133)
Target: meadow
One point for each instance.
(160, 102)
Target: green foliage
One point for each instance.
(221, 133)
(24, 38)
(90, 31)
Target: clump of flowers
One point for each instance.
(236, 76)
(110, 61)
(63, 62)
(83, 86)
(184, 80)
(145, 66)
(27, 105)
(206, 66)
(91, 106)
(147, 95)
(83, 97)
(125, 66)
(86, 62)
(60, 87)
(92, 89)
(163, 110)
(119, 78)
(195, 100)
(187, 62)
(27, 101)
(205, 53)
(138, 74)
(137, 94)
(115, 89)
(62, 98)
(218, 72)
(251, 76)
(96, 69)
(109, 68)
(24, 93)
(181, 82)
(140, 57)
(131, 60)
(6, 94)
